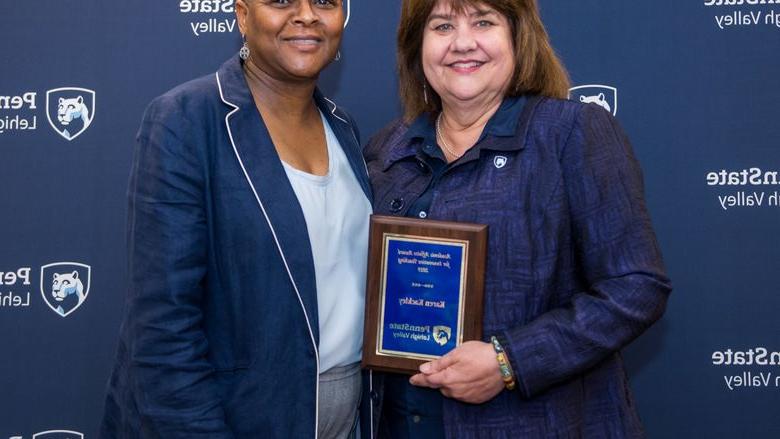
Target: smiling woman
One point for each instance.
(535, 68)
(573, 273)
(468, 57)
(249, 207)
(286, 52)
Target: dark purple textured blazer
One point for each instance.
(574, 271)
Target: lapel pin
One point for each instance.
(499, 161)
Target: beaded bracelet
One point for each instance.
(503, 364)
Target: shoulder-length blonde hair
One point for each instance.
(537, 69)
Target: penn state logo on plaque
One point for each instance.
(442, 334)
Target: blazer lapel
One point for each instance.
(344, 129)
(275, 196)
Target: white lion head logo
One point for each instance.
(604, 96)
(70, 109)
(599, 100)
(65, 286)
(442, 334)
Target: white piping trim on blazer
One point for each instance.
(333, 112)
(281, 253)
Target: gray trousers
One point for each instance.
(338, 402)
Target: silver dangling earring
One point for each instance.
(244, 52)
(425, 92)
(338, 56)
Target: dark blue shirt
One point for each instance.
(430, 156)
(410, 411)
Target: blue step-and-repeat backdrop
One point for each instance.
(694, 83)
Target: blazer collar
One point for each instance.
(275, 197)
(345, 130)
(505, 131)
(233, 88)
(235, 93)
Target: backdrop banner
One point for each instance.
(691, 81)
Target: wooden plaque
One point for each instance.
(424, 291)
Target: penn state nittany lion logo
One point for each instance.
(499, 161)
(442, 334)
(602, 95)
(599, 100)
(65, 285)
(70, 110)
(58, 434)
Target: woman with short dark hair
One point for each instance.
(248, 224)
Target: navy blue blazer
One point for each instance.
(221, 332)
(573, 273)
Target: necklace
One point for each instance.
(441, 138)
